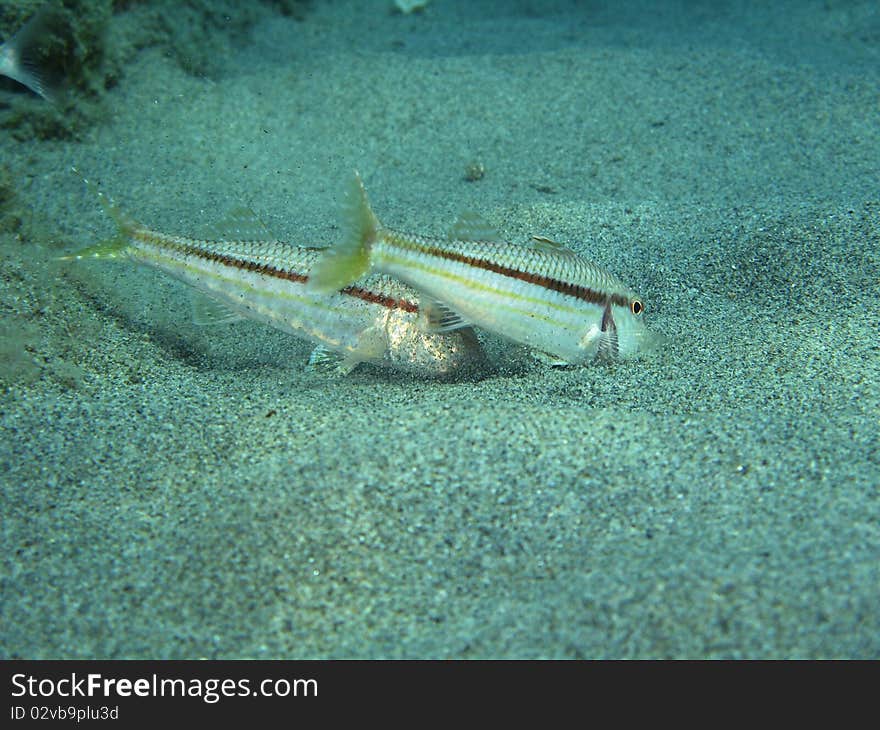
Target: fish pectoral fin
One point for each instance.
(440, 318)
(471, 226)
(608, 343)
(207, 311)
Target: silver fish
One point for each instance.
(376, 319)
(540, 294)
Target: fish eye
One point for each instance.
(636, 307)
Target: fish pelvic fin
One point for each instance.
(115, 246)
(350, 258)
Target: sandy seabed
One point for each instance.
(172, 491)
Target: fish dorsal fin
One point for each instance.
(544, 242)
(548, 245)
(471, 226)
(207, 311)
(240, 224)
(440, 318)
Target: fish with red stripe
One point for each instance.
(250, 274)
(540, 294)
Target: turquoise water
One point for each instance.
(180, 491)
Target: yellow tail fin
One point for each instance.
(110, 248)
(350, 258)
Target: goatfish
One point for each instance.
(541, 294)
(377, 319)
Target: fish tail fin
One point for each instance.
(25, 54)
(115, 246)
(350, 258)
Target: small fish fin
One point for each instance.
(28, 48)
(544, 242)
(470, 226)
(370, 348)
(347, 364)
(440, 318)
(548, 245)
(552, 360)
(331, 361)
(110, 248)
(323, 358)
(607, 347)
(240, 224)
(207, 311)
(348, 260)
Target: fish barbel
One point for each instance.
(540, 294)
